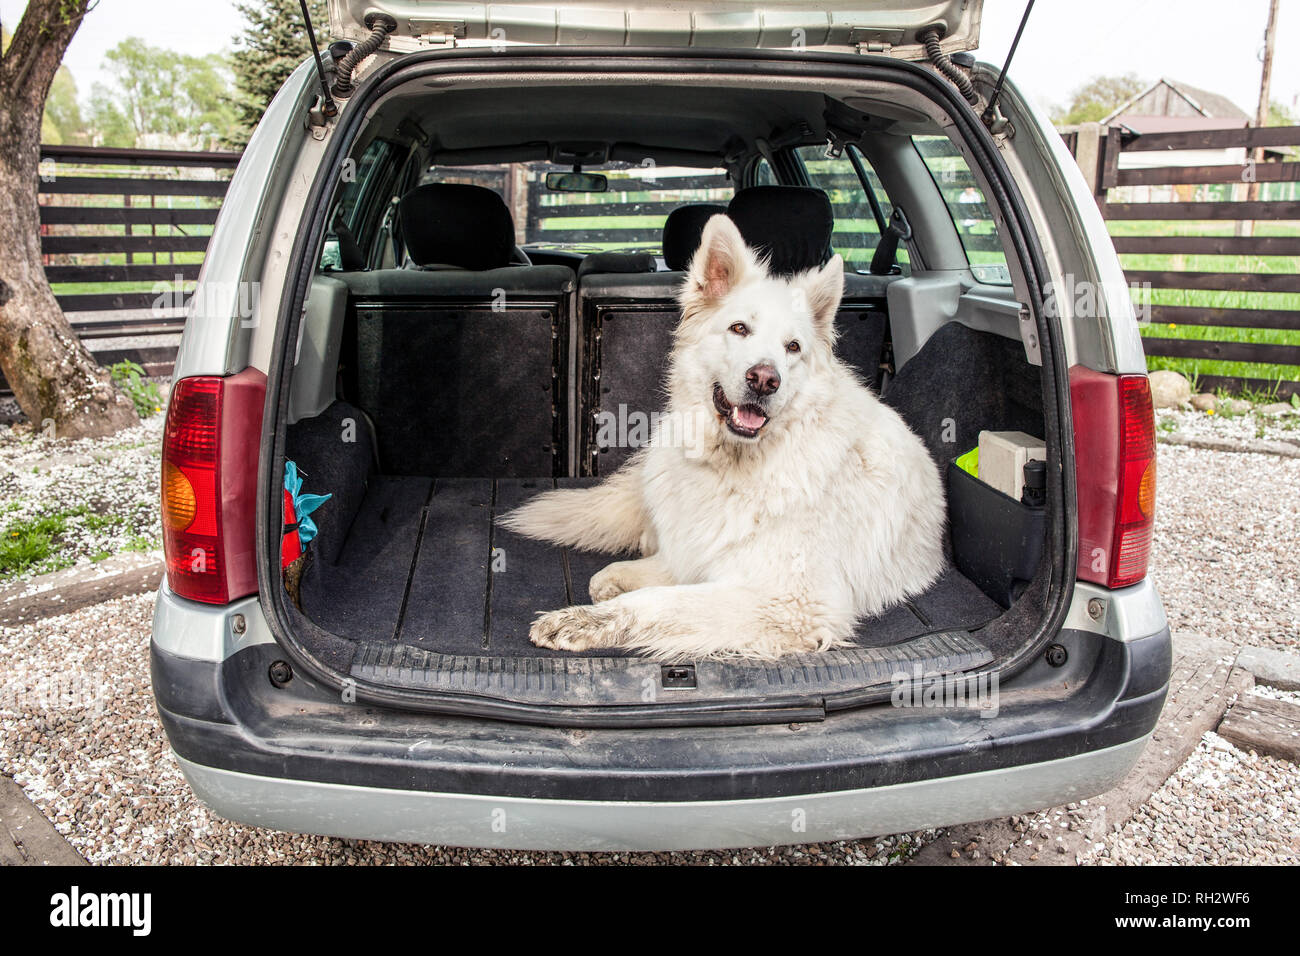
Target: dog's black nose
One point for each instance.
(763, 379)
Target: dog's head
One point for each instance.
(750, 345)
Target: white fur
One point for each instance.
(752, 547)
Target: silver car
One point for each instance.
(444, 278)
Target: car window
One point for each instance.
(629, 215)
(968, 208)
(360, 192)
(857, 230)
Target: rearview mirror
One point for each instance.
(576, 182)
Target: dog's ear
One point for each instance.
(721, 262)
(822, 289)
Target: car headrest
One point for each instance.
(790, 225)
(457, 224)
(682, 231)
(609, 262)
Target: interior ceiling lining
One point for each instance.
(701, 113)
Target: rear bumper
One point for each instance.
(459, 819)
(298, 758)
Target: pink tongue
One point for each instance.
(747, 416)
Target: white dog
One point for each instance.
(779, 500)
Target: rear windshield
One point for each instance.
(629, 215)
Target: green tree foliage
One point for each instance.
(159, 97)
(1279, 114)
(272, 44)
(62, 123)
(1097, 98)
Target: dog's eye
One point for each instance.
(792, 347)
(740, 328)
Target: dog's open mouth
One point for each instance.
(745, 420)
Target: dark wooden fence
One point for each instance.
(121, 227)
(1175, 202)
(648, 200)
(122, 233)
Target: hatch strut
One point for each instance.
(990, 111)
(328, 107)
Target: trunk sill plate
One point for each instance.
(623, 681)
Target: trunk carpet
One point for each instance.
(425, 565)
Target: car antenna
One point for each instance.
(329, 108)
(990, 111)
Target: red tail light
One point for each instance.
(1115, 466)
(209, 485)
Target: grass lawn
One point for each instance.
(1278, 301)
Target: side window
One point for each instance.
(968, 208)
(763, 175)
(359, 192)
(857, 226)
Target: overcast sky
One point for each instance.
(1207, 43)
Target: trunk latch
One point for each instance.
(677, 676)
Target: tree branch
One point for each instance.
(36, 50)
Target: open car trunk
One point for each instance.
(428, 402)
(414, 587)
(412, 583)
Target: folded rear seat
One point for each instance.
(627, 319)
(460, 359)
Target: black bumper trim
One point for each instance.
(304, 732)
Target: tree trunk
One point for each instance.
(56, 381)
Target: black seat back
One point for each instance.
(682, 231)
(627, 321)
(617, 262)
(460, 360)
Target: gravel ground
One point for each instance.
(93, 757)
(1243, 427)
(1223, 806)
(1226, 554)
(69, 502)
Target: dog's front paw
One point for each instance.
(607, 583)
(570, 629)
(811, 642)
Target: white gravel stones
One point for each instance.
(1226, 550)
(1223, 806)
(105, 490)
(1226, 425)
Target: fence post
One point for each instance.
(1109, 175)
(1087, 153)
(126, 204)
